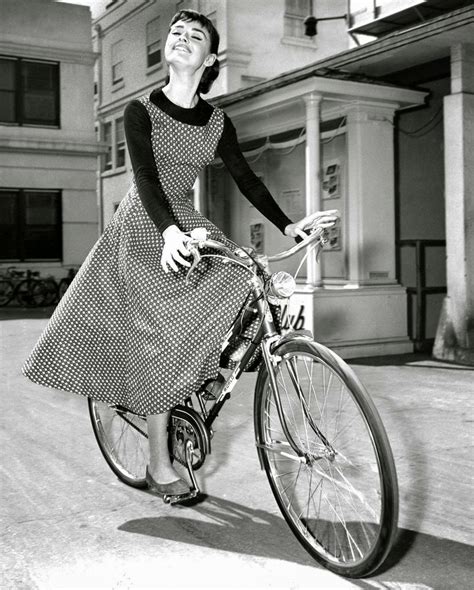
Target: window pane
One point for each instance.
(107, 134)
(42, 237)
(119, 130)
(117, 75)
(8, 225)
(7, 107)
(7, 74)
(40, 88)
(153, 58)
(153, 31)
(7, 90)
(120, 143)
(298, 7)
(294, 27)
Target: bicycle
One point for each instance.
(318, 435)
(65, 282)
(29, 292)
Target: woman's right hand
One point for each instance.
(174, 248)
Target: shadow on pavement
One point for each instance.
(434, 563)
(226, 526)
(25, 313)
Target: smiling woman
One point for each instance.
(129, 331)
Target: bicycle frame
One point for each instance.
(267, 335)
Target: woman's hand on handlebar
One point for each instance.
(319, 219)
(174, 248)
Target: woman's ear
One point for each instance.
(210, 59)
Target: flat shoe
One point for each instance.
(174, 488)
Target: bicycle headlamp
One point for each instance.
(282, 284)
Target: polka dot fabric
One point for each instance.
(126, 332)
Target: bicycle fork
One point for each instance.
(302, 456)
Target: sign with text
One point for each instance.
(297, 313)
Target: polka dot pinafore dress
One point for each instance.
(126, 332)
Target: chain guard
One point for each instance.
(186, 424)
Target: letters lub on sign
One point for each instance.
(297, 313)
(292, 320)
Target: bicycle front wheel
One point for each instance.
(123, 440)
(31, 293)
(336, 483)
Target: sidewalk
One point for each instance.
(70, 513)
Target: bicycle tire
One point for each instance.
(344, 507)
(123, 441)
(6, 291)
(63, 287)
(31, 293)
(52, 290)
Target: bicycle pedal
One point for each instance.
(208, 396)
(182, 498)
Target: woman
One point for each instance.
(129, 331)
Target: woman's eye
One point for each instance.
(197, 38)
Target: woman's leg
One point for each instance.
(160, 467)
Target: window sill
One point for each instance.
(118, 85)
(299, 42)
(152, 69)
(114, 172)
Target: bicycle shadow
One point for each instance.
(227, 526)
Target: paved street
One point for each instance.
(69, 523)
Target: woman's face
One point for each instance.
(188, 45)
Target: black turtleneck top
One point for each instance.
(138, 134)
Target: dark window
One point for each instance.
(29, 92)
(117, 62)
(107, 136)
(119, 143)
(30, 225)
(153, 42)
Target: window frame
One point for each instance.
(21, 227)
(119, 144)
(293, 16)
(154, 41)
(108, 157)
(19, 92)
(116, 48)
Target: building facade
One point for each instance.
(259, 40)
(376, 127)
(48, 147)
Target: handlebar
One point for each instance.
(196, 242)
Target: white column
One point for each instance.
(371, 186)
(313, 175)
(455, 335)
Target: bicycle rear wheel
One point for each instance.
(6, 291)
(339, 492)
(123, 440)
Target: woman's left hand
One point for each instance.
(322, 219)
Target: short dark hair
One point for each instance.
(211, 72)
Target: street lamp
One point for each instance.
(311, 23)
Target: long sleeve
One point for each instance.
(248, 182)
(137, 126)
